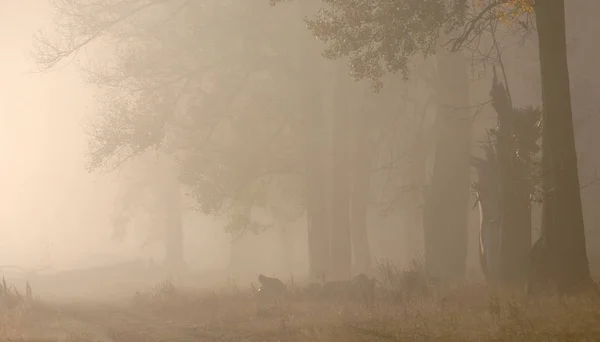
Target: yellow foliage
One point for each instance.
(508, 11)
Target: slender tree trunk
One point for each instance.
(446, 210)
(562, 218)
(341, 249)
(361, 162)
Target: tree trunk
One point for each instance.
(341, 249)
(585, 103)
(361, 162)
(515, 232)
(562, 218)
(445, 218)
(514, 187)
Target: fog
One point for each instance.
(54, 212)
(301, 170)
(55, 215)
(160, 79)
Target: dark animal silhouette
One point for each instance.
(271, 294)
(271, 285)
(271, 289)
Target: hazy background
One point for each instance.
(54, 213)
(51, 197)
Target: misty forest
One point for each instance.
(295, 170)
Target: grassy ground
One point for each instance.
(406, 309)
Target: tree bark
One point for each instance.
(562, 219)
(445, 218)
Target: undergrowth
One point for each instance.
(408, 306)
(15, 309)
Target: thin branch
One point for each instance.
(458, 42)
(49, 60)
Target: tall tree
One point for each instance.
(581, 24)
(317, 148)
(347, 235)
(562, 217)
(505, 189)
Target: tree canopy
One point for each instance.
(206, 82)
(382, 36)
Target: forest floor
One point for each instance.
(467, 313)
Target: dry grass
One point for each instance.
(408, 307)
(15, 310)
